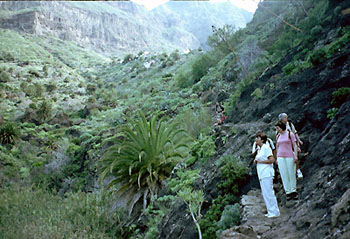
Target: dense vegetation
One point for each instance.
(68, 116)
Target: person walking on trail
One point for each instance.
(289, 125)
(287, 157)
(264, 164)
(256, 147)
(220, 113)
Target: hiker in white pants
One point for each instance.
(287, 157)
(264, 160)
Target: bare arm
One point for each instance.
(270, 160)
(295, 152)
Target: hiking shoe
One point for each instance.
(271, 215)
(299, 174)
(294, 195)
(289, 196)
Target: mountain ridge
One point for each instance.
(110, 27)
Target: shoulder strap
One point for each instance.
(270, 142)
(291, 126)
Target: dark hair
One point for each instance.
(262, 136)
(282, 125)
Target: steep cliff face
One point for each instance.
(113, 27)
(105, 30)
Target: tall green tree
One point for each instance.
(142, 157)
(225, 39)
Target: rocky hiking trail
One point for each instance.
(255, 225)
(310, 211)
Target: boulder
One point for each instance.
(341, 210)
(239, 232)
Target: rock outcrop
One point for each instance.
(110, 27)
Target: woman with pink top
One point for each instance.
(287, 157)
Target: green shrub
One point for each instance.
(257, 94)
(203, 148)
(128, 58)
(44, 111)
(316, 30)
(66, 80)
(233, 174)
(51, 87)
(39, 90)
(196, 122)
(230, 217)
(35, 213)
(33, 106)
(340, 96)
(9, 133)
(154, 218)
(7, 57)
(331, 113)
(23, 85)
(5, 76)
(209, 223)
(318, 56)
(91, 88)
(183, 78)
(167, 75)
(182, 185)
(232, 177)
(45, 68)
(201, 66)
(175, 55)
(337, 10)
(288, 69)
(340, 43)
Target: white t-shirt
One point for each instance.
(264, 170)
(272, 146)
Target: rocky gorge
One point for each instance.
(68, 104)
(119, 27)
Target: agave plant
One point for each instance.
(44, 111)
(8, 133)
(142, 157)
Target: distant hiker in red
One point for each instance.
(220, 113)
(264, 165)
(287, 157)
(289, 126)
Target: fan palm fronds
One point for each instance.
(143, 156)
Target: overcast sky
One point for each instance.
(249, 5)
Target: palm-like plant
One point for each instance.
(8, 133)
(44, 111)
(144, 154)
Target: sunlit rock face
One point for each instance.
(116, 27)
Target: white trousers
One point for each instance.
(269, 196)
(287, 169)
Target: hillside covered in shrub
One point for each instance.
(95, 145)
